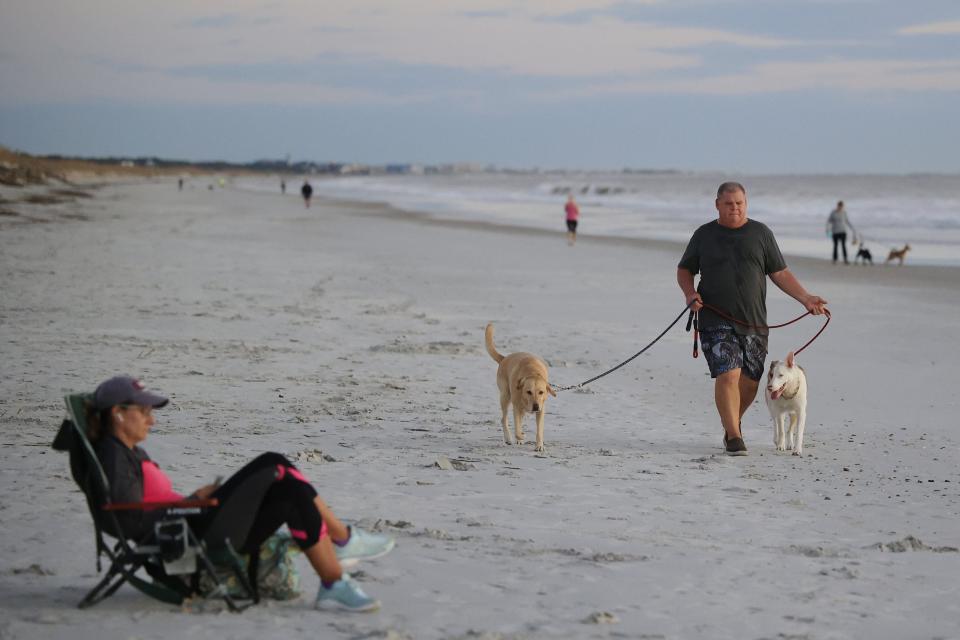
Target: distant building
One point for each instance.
(354, 170)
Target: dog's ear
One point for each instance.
(520, 384)
(790, 359)
(552, 392)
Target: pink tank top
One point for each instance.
(573, 212)
(156, 485)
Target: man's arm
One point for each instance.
(685, 280)
(788, 283)
(853, 231)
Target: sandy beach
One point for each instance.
(355, 332)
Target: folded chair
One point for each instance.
(172, 555)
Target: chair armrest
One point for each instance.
(168, 504)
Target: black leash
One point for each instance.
(692, 323)
(609, 371)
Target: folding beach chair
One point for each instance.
(171, 555)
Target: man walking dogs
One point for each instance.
(734, 256)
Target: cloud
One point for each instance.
(530, 8)
(221, 21)
(783, 77)
(92, 81)
(520, 42)
(950, 28)
(436, 49)
(849, 75)
(498, 34)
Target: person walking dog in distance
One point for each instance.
(734, 256)
(573, 216)
(837, 223)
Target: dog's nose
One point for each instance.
(536, 407)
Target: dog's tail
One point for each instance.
(492, 350)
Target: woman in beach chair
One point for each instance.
(119, 417)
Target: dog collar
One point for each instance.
(792, 395)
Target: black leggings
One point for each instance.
(289, 500)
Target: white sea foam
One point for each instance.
(887, 211)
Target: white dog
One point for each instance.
(787, 401)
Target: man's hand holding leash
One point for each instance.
(816, 305)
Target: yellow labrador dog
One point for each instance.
(523, 383)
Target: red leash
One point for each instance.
(692, 320)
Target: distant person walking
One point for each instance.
(180, 184)
(307, 192)
(573, 216)
(283, 186)
(837, 223)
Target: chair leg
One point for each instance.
(95, 595)
(247, 578)
(104, 589)
(238, 571)
(123, 570)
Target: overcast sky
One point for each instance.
(767, 86)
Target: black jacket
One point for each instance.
(124, 470)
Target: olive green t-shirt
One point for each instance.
(733, 265)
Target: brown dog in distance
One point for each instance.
(898, 254)
(523, 382)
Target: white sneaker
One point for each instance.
(363, 545)
(345, 594)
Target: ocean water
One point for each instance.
(886, 211)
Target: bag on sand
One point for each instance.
(277, 574)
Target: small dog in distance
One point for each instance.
(898, 254)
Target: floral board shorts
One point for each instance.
(725, 350)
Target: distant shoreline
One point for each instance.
(141, 164)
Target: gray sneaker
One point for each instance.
(364, 545)
(345, 594)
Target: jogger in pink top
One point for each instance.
(573, 216)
